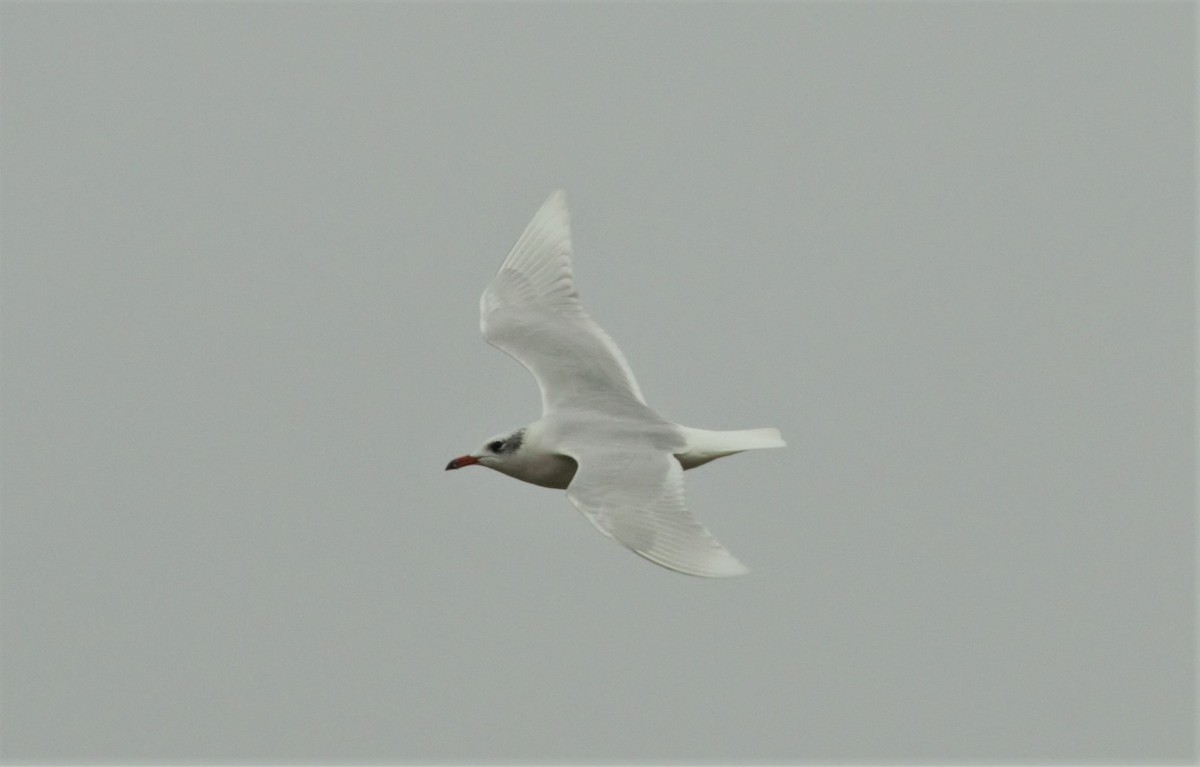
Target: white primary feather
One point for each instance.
(636, 497)
(531, 311)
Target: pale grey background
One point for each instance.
(947, 249)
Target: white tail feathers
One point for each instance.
(704, 445)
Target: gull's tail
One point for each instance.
(704, 445)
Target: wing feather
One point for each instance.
(636, 497)
(531, 311)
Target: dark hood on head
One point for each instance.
(513, 442)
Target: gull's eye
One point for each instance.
(495, 446)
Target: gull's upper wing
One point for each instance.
(636, 497)
(532, 312)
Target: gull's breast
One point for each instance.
(544, 469)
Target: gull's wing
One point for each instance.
(636, 497)
(532, 312)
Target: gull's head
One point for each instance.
(493, 453)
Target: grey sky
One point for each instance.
(946, 248)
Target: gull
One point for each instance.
(620, 462)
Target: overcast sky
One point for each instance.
(946, 248)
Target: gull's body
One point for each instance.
(621, 462)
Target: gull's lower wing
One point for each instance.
(532, 312)
(636, 497)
